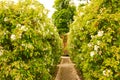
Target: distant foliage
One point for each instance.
(63, 15)
(30, 46)
(94, 40)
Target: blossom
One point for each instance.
(6, 19)
(30, 46)
(51, 33)
(18, 25)
(83, 7)
(6, 7)
(89, 45)
(13, 37)
(48, 31)
(81, 13)
(23, 28)
(55, 29)
(100, 33)
(96, 47)
(5, 32)
(98, 42)
(1, 52)
(87, 22)
(82, 58)
(92, 36)
(92, 53)
(82, 29)
(100, 52)
(20, 35)
(32, 7)
(106, 73)
(22, 44)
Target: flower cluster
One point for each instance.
(32, 7)
(96, 47)
(90, 45)
(6, 19)
(100, 33)
(22, 27)
(106, 73)
(29, 46)
(13, 37)
(92, 53)
(81, 13)
(1, 52)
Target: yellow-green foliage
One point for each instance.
(30, 46)
(94, 40)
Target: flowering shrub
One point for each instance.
(94, 40)
(30, 46)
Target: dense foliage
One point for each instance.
(94, 40)
(63, 15)
(30, 46)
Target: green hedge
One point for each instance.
(30, 46)
(94, 40)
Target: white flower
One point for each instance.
(92, 36)
(100, 33)
(92, 53)
(82, 58)
(40, 15)
(89, 45)
(5, 32)
(23, 44)
(55, 29)
(106, 73)
(1, 52)
(13, 37)
(51, 33)
(6, 19)
(45, 49)
(6, 7)
(18, 25)
(32, 7)
(96, 47)
(87, 22)
(82, 29)
(83, 7)
(100, 52)
(98, 42)
(48, 31)
(71, 2)
(24, 28)
(20, 35)
(81, 13)
(30, 46)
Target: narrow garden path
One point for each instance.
(66, 70)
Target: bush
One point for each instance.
(94, 40)
(30, 46)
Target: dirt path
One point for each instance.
(66, 70)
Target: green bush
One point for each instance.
(94, 40)
(30, 46)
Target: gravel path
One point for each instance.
(66, 70)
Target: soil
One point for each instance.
(66, 70)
